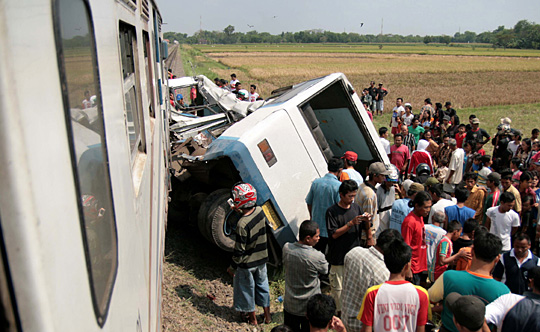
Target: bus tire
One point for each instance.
(222, 221)
(202, 218)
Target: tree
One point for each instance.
(445, 39)
(427, 40)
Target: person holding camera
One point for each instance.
(344, 222)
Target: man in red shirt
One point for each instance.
(396, 305)
(399, 154)
(413, 234)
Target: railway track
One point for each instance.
(174, 61)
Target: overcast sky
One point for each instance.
(404, 17)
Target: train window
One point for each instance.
(148, 64)
(134, 125)
(84, 118)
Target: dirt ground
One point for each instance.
(197, 291)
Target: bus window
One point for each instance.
(84, 119)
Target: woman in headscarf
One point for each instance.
(420, 156)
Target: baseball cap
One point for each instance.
(380, 84)
(351, 156)
(494, 176)
(179, 96)
(468, 310)
(475, 121)
(416, 187)
(407, 104)
(407, 184)
(378, 168)
(446, 117)
(431, 181)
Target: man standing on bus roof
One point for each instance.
(324, 193)
(250, 284)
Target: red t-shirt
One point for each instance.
(395, 306)
(399, 156)
(413, 233)
(417, 158)
(459, 139)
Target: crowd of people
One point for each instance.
(445, 228)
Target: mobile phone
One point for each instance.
(231, 203)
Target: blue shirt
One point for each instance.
(400, 209)
(324, 193)
(454, 212)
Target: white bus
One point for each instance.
(84, 157)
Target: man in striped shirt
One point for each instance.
(248, 266)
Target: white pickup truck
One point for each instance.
(279, 145)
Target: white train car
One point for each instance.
(83, 165)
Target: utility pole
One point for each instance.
(382, 24)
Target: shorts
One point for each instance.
(395, 130)
(380, 105)
(251, 288)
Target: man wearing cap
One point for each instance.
(401, 208)
(250, 284)
(367, 198)
(468, 312)
(476, 281)
(517, 313)
(381, 93)
(349, 172)
(386, 195)
(324, 192)
(397, 112)
(345, 222)
(179, 105)
(476, 134)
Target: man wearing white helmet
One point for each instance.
(248, 266)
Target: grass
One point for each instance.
(411, 48)
(467, 81)
(197, 63)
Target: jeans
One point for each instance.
(251, 288)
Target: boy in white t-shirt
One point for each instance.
(253, 95)
(502, 220)
(380, 307)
